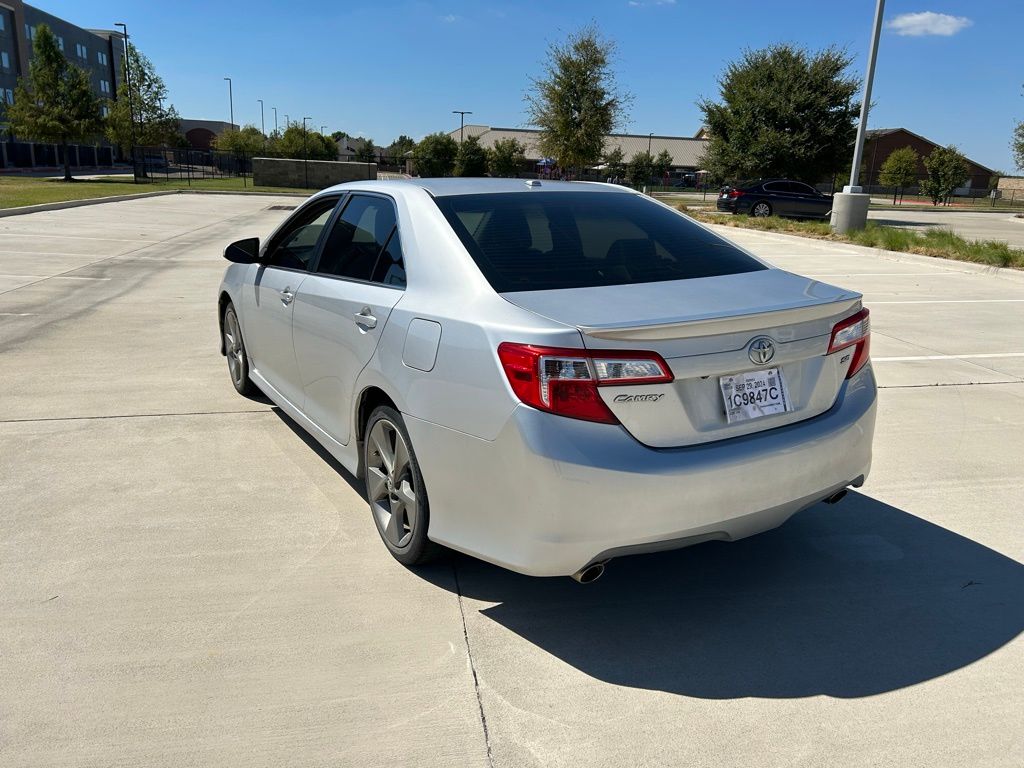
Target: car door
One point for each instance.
(808, 201)
(780, 198)
(343, 307)
(267, 304)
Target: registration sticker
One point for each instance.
(754, 394)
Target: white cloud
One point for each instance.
(641, 3)
(928, 23)
(451, 18)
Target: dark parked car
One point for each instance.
(781, 197)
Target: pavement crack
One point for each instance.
(135, 416)
(950, 384)
(472, 667)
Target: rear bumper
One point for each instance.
(551, 495)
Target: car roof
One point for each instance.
(477, 186)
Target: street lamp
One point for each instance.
(231, 101)
(263, 128)
(462, 121)
(128, 82)
(323, 130)
(305, 151)
(275, 119)
(649, 137)
(287, 122)
(850, 207)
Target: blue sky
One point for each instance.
(381, 68)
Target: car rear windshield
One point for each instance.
(538, 241)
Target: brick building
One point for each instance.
(879, 143)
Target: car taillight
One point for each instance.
(734, 193)
(854, 331)
(565, 381)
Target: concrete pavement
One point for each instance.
(186, 580)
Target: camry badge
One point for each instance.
(761, 350)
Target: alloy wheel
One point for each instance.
(390, 484)
(762, 209)
(233, 349)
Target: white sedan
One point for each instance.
(547, 375)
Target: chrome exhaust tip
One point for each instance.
(590, 574)
(836, 497)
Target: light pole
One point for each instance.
(275, 119)
(649, 137)
(462, 121)
(231, 102)
(287, 122)
(323, 130)
(850, 207)
(128, 82)
(305, 151)
(263, 128)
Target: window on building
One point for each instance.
(104, 86)
(81, 51)
(30, 32)
(101, 57)
(8, 95)
(3, 24)
(60, 42)
(105, 110)
(5, 60)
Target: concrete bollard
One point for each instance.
(849, 210)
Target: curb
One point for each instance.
(21, 210)
(78, 203)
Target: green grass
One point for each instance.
(18, 191)
(934, 242)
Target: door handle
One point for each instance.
(287, 296)
(365, 318)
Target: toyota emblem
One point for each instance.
(761, 350)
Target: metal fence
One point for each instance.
(156, 164)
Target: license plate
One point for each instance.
(754, 394)
(725, 195)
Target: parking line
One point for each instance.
(887, 274)
(913, 358)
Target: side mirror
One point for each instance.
(243, 251)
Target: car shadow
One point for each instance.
(353, 482)
(907, 224)
(847, 601)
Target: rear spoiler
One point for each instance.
(683, 328)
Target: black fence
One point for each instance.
(156, 164)
(32, 155)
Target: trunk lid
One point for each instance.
(704, 329)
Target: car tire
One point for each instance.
(395, 489)
(234, 351)
(761, 209)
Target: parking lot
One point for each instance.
(187, 580)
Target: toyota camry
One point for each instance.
(547, 375)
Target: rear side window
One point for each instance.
(358, 238)
(536, 241)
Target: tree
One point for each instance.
(615, 161)
(899, 169)
(153, 124)
(783, 111)
(661, 164)
(435, 155)
(947, 170)
(471, 159)
(506, 157)
(367, 152)
(55, 103)
(339, 135)
(576, 101)
(297, 144)
(249, 140)
(639, 170)
(400, 147)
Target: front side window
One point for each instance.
(358, 241)
(535, 241)
(294, 246)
